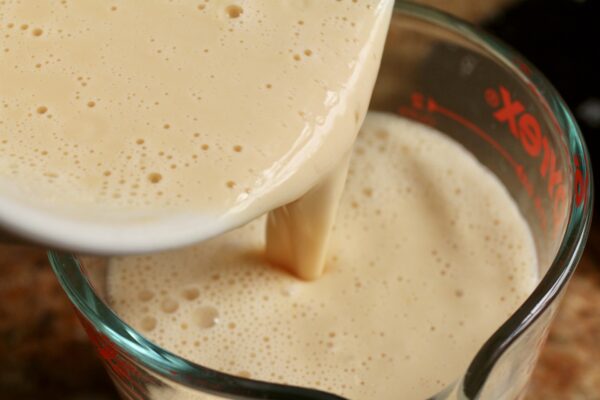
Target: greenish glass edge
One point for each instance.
(156, 359)
(580, 216)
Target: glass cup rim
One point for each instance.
(160, 361)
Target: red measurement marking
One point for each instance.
(527, 130)
(432, 106)
(524, 68)
(417, 116)
(492, 98)
(123, 369)
(418, 101)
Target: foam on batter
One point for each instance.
(428, 256)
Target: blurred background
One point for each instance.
(45, 354)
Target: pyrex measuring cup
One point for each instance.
(444, 73)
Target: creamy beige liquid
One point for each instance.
(198, 114)
(428, 256)
(226, 110)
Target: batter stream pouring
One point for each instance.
(139, 131)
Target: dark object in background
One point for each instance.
(44, 353)
(561, 38)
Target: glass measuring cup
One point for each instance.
(447, 74)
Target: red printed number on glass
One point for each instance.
(526, 128)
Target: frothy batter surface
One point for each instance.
(429, 255)
(156, 105)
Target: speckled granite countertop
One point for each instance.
(44, 353)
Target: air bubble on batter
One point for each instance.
(205, 317)
(169, 305)
(148, 324)
(190, 293)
